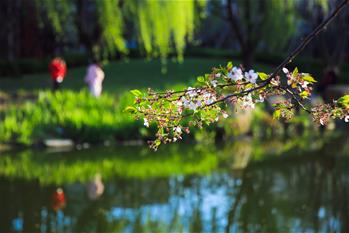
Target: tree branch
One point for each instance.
(308, 39)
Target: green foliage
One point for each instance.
(57, 12)
(160, 25)
(344, 101)
(67, 114)
(111, 22)
(272, 22)
(161, 22)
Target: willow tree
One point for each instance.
(160, 27)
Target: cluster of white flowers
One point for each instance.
(247, 101)
(237, 74)
(193, 100)
(191, 92)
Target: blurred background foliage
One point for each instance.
(199, 33)
(82, 30)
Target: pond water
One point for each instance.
(240, 187)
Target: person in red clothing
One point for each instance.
(58, 69)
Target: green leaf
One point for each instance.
(229, 65)
(136, 92)
(130, 109)
(277, 114)
(295, 72)
(344, 100)
(308, 78)
(263, 76)
(304, 94)
(201, 79)
(157, 142)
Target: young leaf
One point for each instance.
(136, 92)
(263, 76)
(304, 94)
(229, 65)
(308, 78)
(130, 109)
(344, 100)
(277, 114)
(201, 79)
(295, 72)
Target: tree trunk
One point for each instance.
(247, 55)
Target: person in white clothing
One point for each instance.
(94, 78)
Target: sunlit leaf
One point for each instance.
(309, 78)
(263, 76)
(136, 92)
(277, 114)
(130, 109)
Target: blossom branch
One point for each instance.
(168, 110)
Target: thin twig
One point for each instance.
(294, 97)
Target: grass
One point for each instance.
(68, 114)
(124, 75)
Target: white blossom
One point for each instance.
(225, 115)
(247, 101)
(179, 103)
(177, 129)
(235, 74)
(185, 101)
(214, 83)
(146, 122)
(191, 92)
(251, 76)
(260, 100)
(218, 75)
(209, 98)
(285, 70)
(305, 84)
(192, 106)
(346, 118)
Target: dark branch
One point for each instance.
(308, 39)
(294, 53)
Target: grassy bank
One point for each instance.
(68, 114)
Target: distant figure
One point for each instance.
(94, 78)
(58, 199)
(58, 70)
(95, 187)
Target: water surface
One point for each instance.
(240, 187)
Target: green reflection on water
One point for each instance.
(141, 162)
(136, 162)
(238, 187)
